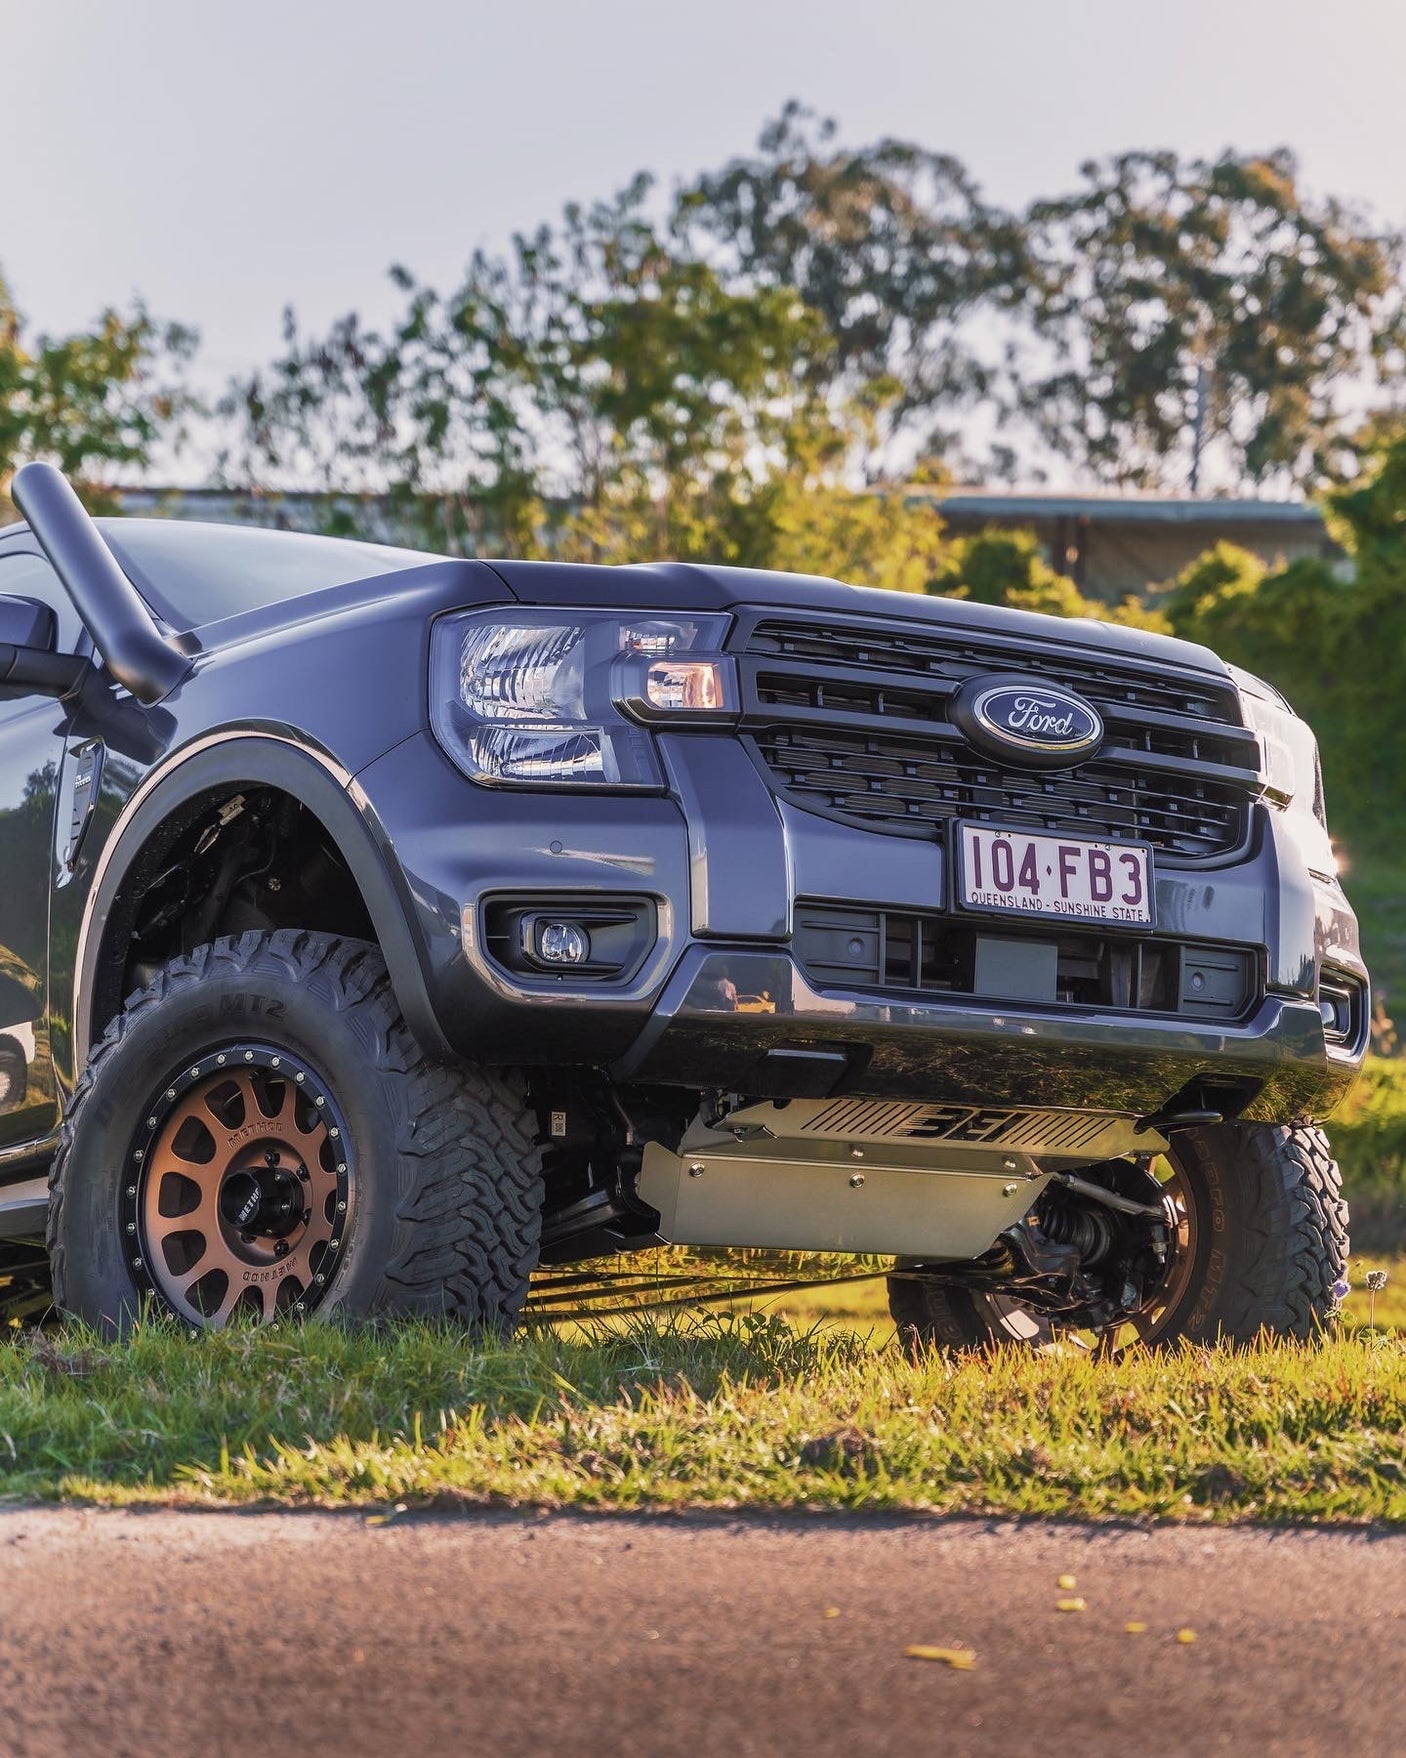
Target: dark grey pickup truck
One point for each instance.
(377, 926)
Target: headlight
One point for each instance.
(546, 698)
(1293, 777)
(1291, 771)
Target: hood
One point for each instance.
(698, 586)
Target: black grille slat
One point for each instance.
(924, 786)
(947, 656)
(853, 721)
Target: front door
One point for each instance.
(31, 753)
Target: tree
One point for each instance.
(1211, 322)
(98, 398)
(1333, 639)
(891, 245)
(596, 368)
(416, 413)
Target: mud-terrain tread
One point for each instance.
(468, 1169)
(1283, 1246)
(1291, 1243)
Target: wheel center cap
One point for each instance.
(262, 1200)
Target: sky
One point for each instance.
(222, 160)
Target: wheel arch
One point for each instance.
(238, 760)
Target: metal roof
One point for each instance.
(1118, 509)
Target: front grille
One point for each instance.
(902, 953)
(852, 721)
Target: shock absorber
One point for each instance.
(1090, 1231)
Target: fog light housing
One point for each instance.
(1342, 1006)
(561, 943)
(576, 938)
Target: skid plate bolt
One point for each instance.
(856, 1153)
(697, 1169)
(1008, 1165)
(1009, 1189)
(856, 1180)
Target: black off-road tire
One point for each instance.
(447, 1214)
(1270, 1241)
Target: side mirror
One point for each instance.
(28, 664)
(25, 622)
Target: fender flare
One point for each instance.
(313, 778)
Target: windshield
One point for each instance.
(192, 574)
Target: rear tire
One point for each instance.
(435, 1170)
(1270, 1239)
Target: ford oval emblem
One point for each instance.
(1033, 722)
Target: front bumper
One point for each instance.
(972, 1052)
(724, 862)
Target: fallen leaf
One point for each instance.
(1186, 1635)
(961, 1659)
(1070, 1605)
(1068, 1582)
(832, 1611)
(1135, 1629)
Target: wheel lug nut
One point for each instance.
(270, 1157)
(307, 1216)
(247, 1238)
(302, 1174)
(281, 1249)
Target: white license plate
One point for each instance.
(1010, 872)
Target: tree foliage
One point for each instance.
(1009, 568)
(891, 245)
(1208, 310)
(1332, 639)
(1169, 323)
(98, 398)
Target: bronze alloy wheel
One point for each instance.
(240, 1188)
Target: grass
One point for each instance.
(744, 1409)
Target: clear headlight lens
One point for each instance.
(1293, 775)
(546, 698)
(1288, 750)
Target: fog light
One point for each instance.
(565, 943)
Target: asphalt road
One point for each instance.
(165, 1634)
